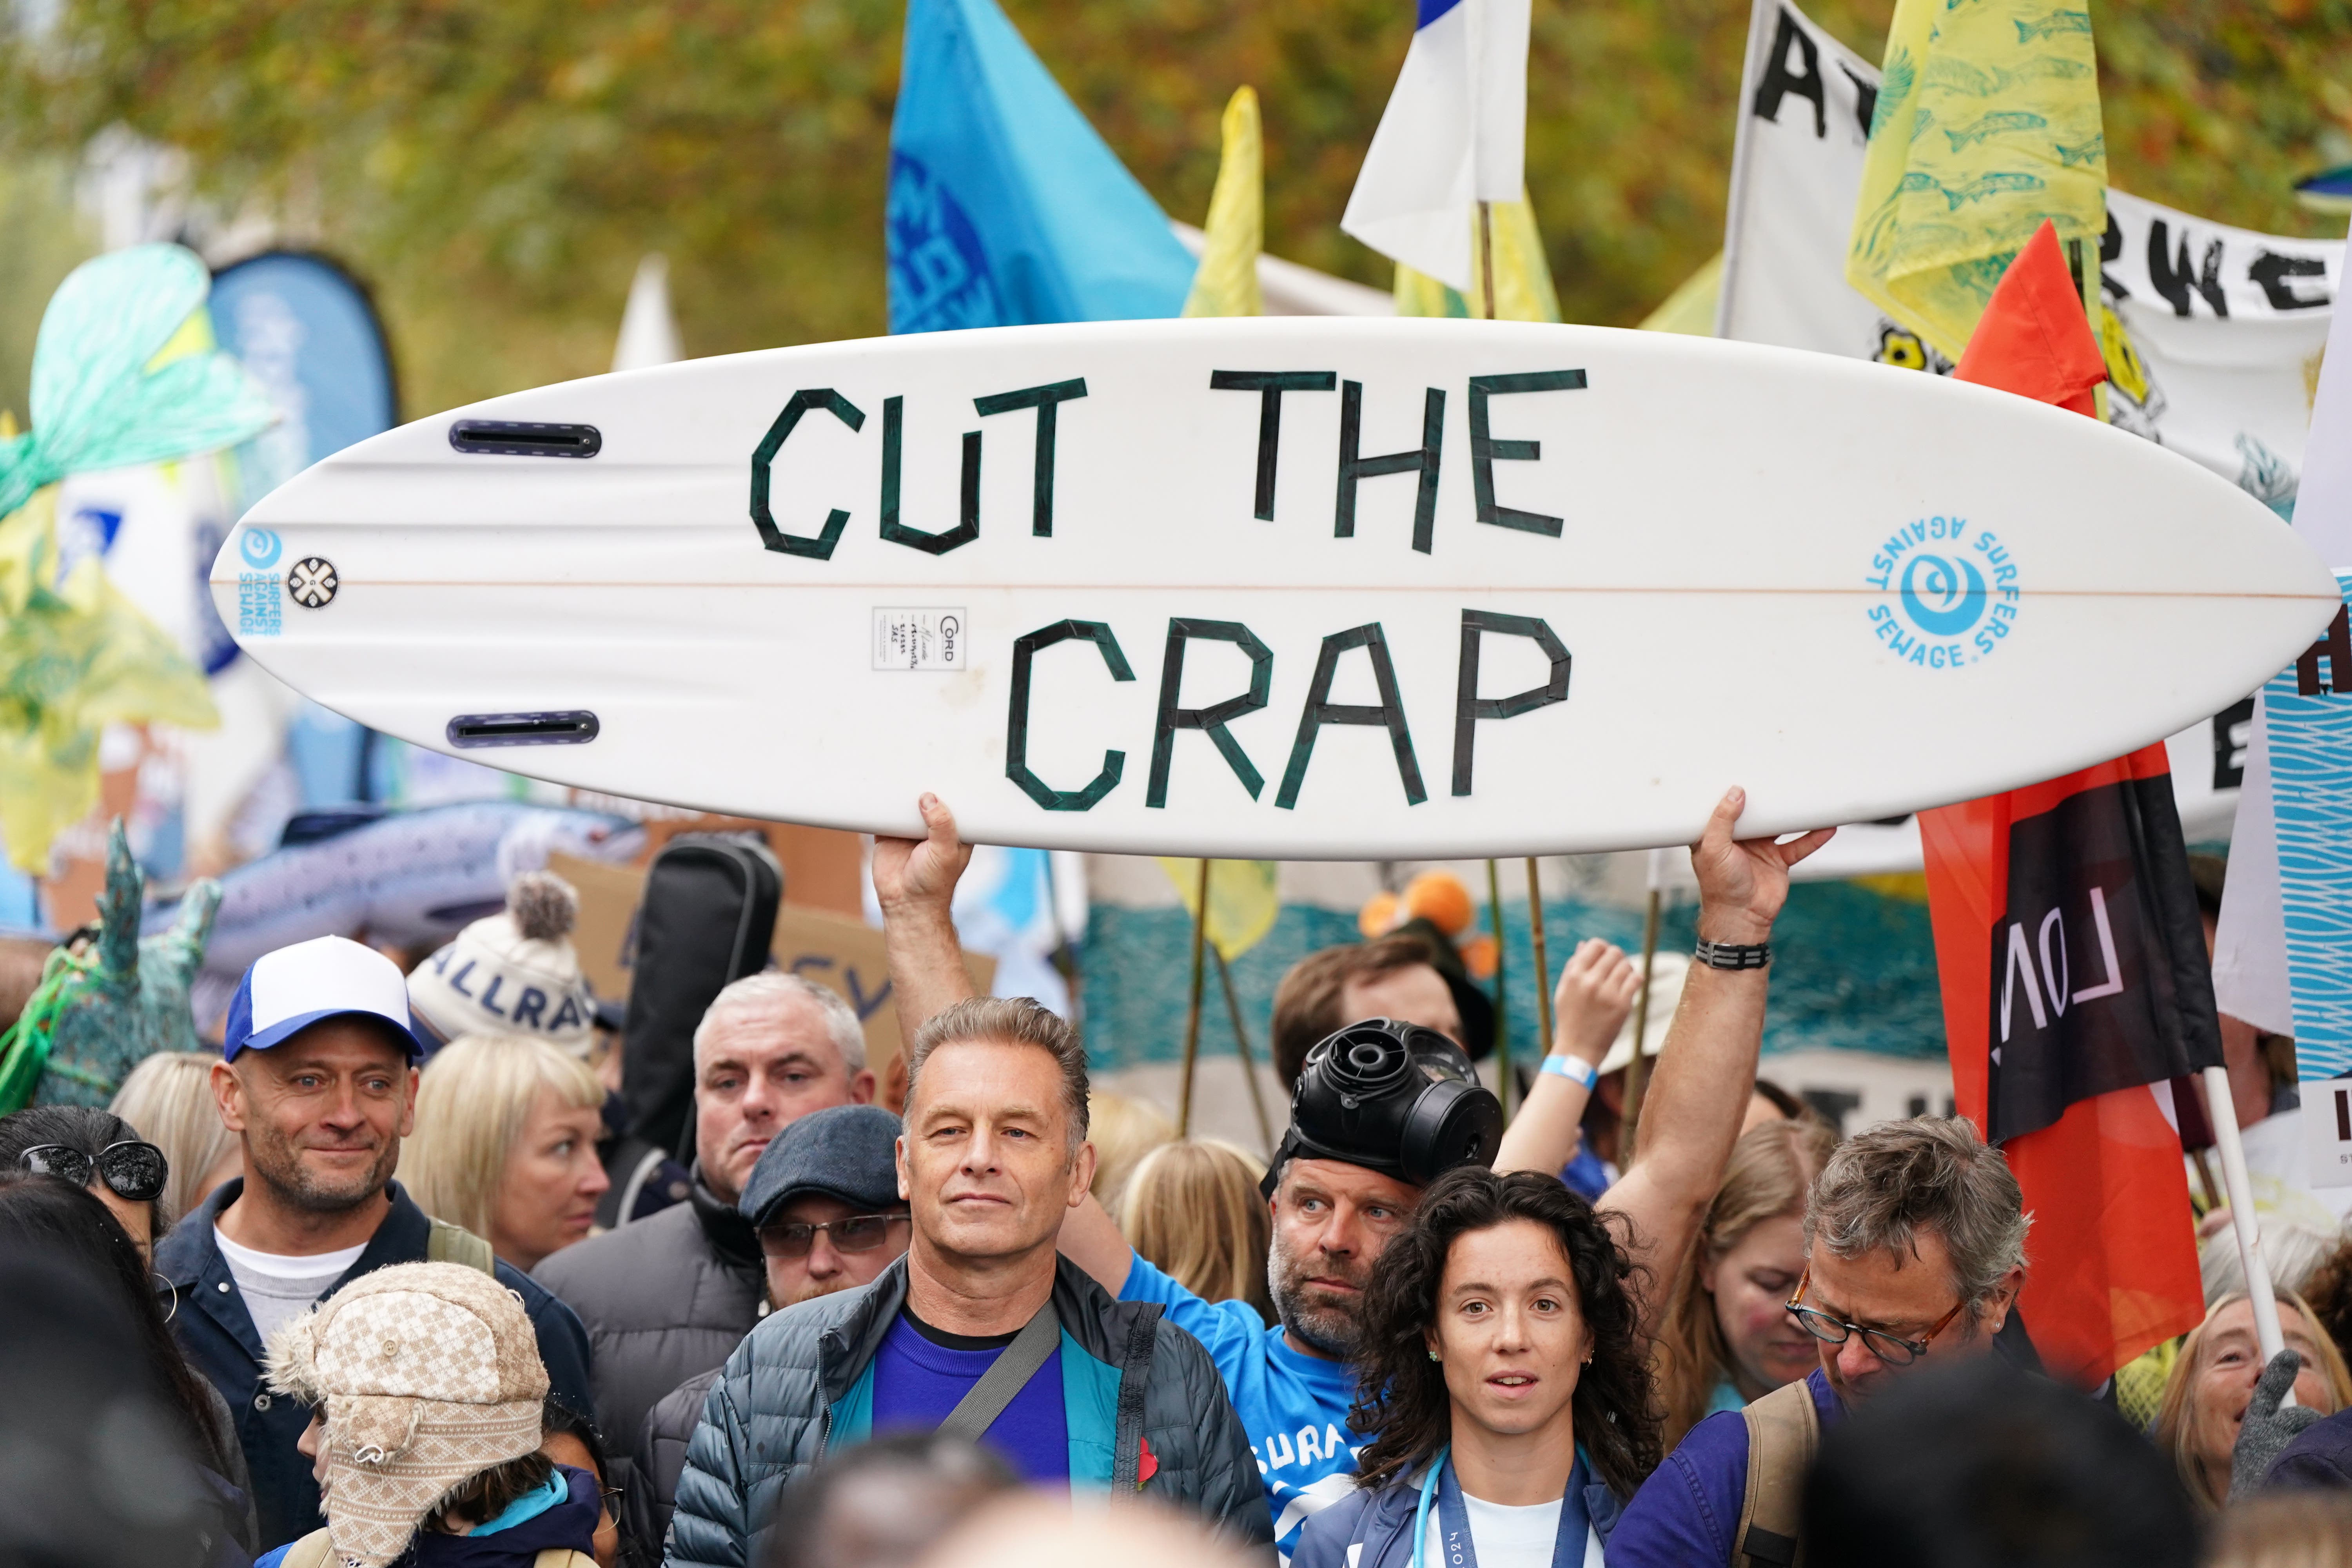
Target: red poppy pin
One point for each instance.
(1147, 1465)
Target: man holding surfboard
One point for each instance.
(1291, 1383)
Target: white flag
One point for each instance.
(1453, 134)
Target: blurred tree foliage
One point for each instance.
(497, 169)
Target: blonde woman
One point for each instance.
(2206, 1397)
(506, 1144)
(169, 1098)
(1728, 1339)
(1123, 1130)
(1192, 1209)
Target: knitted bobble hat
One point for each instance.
(512, 973)
(431, 1376)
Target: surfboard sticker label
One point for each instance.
(919, 639)
(1952, 592)
(1293, 588)
(261, 598)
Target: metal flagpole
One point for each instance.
(1192, 1014)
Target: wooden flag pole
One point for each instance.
(1502, 997)
(2259, 1293)
(1241, 1044)
(1543, 963)
(1634, 1069)
(1192, 1014)
(1486, 266)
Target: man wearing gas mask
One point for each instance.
(1381, 1109)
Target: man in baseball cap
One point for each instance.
(316, 1079)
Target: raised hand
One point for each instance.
(1597, 988)
(1743, 882)
(911, 874)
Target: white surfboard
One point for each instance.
(1289, 588)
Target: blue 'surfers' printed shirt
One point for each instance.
(1294, 1407)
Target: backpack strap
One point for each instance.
(455, 1243)
(1783, 1431)
(311, 1551)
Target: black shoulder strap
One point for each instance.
(1011, 1372)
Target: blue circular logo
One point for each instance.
(938, 273)
(259, 547)
(1943, 596)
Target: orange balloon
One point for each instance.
(1439, 897)
(1478, 956)
(1378, 916)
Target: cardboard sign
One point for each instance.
(1289, 588)
(843, 955)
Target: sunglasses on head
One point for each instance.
(131, 1170)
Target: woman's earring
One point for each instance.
(1432, 1355)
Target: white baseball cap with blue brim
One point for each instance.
(287, 991)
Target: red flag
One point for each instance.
(2073, 963)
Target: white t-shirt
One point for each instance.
(278, 1289)
(1506, 1537)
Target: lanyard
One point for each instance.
(1568, 1549)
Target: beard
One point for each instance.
(812, 1289)
(1321, 1322)
(279, 1165)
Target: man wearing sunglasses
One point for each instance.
(825, 1201)
(1914, 1239)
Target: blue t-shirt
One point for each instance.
(918, 1384)
(1293, 1405)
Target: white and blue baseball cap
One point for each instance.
(287, 991)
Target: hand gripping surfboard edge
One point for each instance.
(1290, 588)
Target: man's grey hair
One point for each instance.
(772, 991)
(1016, 1020)
(1881, 1190)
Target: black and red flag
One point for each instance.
(2073, 963)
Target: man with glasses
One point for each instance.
(824, 1199)
(1914, 1239)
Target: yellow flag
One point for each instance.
(1690, 308)
(1226, 281)
(75, 656)
(1243, 903)
(1987, 123)
(1523, 290)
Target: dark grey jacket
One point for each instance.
(799, 1383)
(666, 1298)
(659, 1460)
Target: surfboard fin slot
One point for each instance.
(572, 728)
(517, 439)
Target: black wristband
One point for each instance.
(1732, 954)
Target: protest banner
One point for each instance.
(574, 583)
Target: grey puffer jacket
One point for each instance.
(664, 1299)
(800, 1384)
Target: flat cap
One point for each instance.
(845, 1152)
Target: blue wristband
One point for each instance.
(1575, 1069)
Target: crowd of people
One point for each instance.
(342, 1293)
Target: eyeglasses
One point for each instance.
(1886, 1347)
(858, 1233)
(133, 1171)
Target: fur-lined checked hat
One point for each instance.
(430, 1374)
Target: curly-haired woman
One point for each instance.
(1504, 1385)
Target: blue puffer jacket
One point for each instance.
(802, 1383)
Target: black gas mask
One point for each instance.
(1394, 1098)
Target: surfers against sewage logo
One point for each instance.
(1949, 589)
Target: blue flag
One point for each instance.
(1005, 208)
